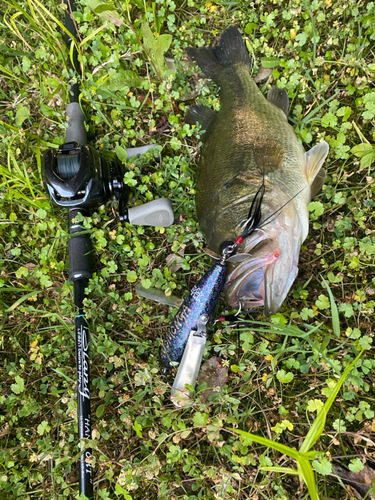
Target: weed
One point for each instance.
(283, 375)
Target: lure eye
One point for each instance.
(225, 245)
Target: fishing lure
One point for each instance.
(204, 296)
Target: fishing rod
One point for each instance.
(79, 179)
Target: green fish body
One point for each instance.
(247, 143)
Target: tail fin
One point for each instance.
(230, 50)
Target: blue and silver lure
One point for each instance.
(201, 301)
(203, 298)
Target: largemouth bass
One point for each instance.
(247, 143)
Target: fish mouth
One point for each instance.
(264, 279)
(245, 284)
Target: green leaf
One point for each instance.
(356, 465)
(334, 279)
(100, 410)
(138, 429)
(270, 62)
(119, 490)
(307, 473)
(329, 120)
(362, 149)
(339, 425)
(316, 207)
(334, 311)
(345, 112)
(302, 39)
(282, 470)
(265, 461)
(367, 160)
(22, 271)
(23, 112)
(200, 418)
(314, 405)
(121, 79)
(42, 214)
(146, 283)
(121, 153)
(26, 63)
(108, 14)
(103, 7)
(365, 342)
(156, 48)
(284, 377)
(45, 281)
(323, 466)
(250, 27)
(282, 448)
(306, 313)
(19, 386)
(131, 276)
(347, 309)
(322, 302)
(129, 179)
(43, 428)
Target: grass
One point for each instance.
(283, 374)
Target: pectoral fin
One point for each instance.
(318, 182)
(200, 114)
(279, 97)
(314, 160)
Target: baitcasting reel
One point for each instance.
(76, 176)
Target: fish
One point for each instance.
(247, 144)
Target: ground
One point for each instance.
(136, 85)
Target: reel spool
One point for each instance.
(76, 176)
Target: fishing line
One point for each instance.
(67, 167)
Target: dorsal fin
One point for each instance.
(200, 114)
(279, 97)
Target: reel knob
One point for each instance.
(154, 213)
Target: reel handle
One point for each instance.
(131, 152)
(76, 131)
(157, 213)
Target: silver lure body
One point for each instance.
(190, 363)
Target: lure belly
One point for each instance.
(201, 301)
(190, 364)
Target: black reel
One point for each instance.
(76, 176)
